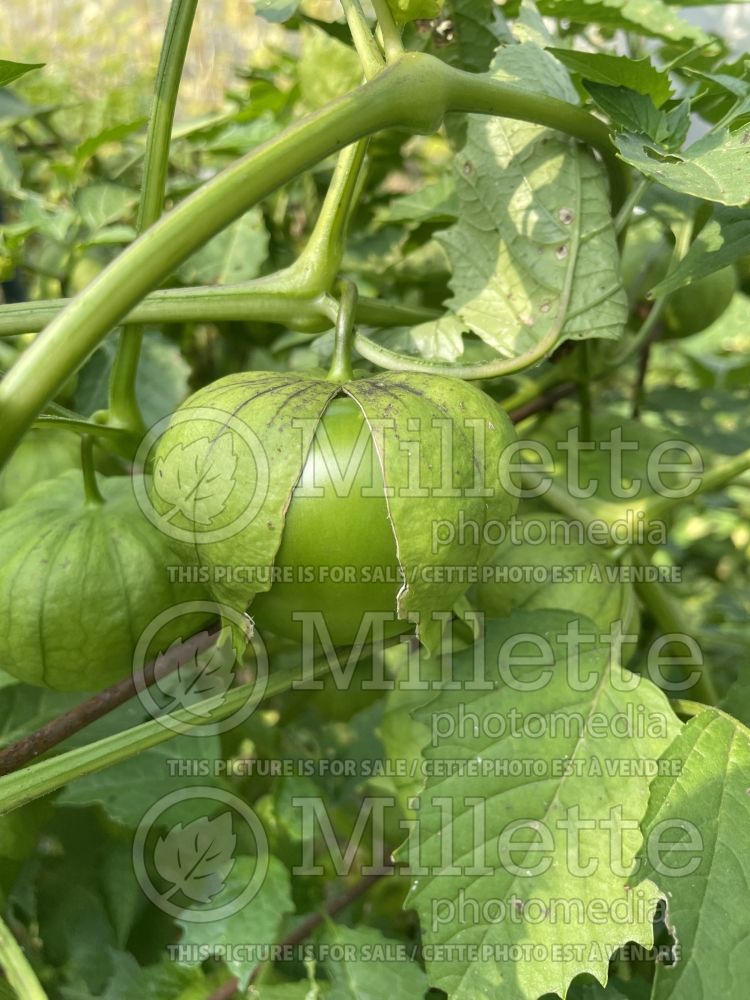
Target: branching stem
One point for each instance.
(413, 93)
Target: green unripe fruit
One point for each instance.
(646, 258)
(352, 492)
(79, 584)
(699, 305)
(41, 455)
(313, 537)
(560, 573)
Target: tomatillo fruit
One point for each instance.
(307, 498)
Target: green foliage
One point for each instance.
(479, 814)
(559, 569)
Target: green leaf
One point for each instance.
(436, 202)
(476, 28)
(75, 928)
(736, 701)
(13, 109)
(24, 708)
(127, 790)
(162, 385)
(110, 134)
(586, 988)
(255, 926)
(404, 736)
(652, 17)
(122, 893)
(10, 71)
(277, 11)
(715, 168)
(414, 10)
(103, 203)
(586, 464)
(166, 980)
(697, 849)
(618, 71)
(722, 241)
(236, 254)
(372, 971)
(10, 170)
(636, 112)
(327, 68)
(437, 340)
(534, 252)
(494, 840)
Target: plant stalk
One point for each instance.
(392, 44)
(18, 972)
(124, 410)
(214, 304)
(364, 41)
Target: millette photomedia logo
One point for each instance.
(207, 488)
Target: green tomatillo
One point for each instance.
(694, 307)
(42, 454)
(330, 506)
(81, 581)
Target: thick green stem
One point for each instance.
(19, 974)
(36, 780)
(316, 268)
(341, 364)
(123, 404)
(413, 93)
(228, 303)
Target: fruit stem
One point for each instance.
(341, 364)
(90, 486)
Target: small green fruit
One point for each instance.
(42, 454)
(645, 259)
(697, 306)
(80, 582)
(358, 503)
